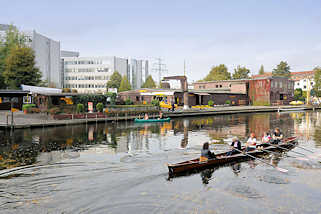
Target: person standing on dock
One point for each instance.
(251, 143)
(277, 136)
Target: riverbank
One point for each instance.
(43, 120)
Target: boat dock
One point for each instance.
(42, 120)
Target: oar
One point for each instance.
(259, 159)
(275, 145)
(301, 147)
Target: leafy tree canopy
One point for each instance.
(10, 40)
(261, 71)
(124, 84)
(20, 68)
(282, 70)
(114, 81)
(149, 83)
(219, 72)
(241, 73)
(317, 81)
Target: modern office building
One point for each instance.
(47, 55)
(69, 53)
(91, 74)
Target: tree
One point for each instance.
(241, 73)
(317, 81)
(124, 84)
(10, 40)
(114, 81)
(149, 83)
(20, 68)
(261, 71)
(282, 70)
(218, 73)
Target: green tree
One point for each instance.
(10, 40)
(317, 81)
(149, 83)
(241, 73)
(282, 70)
(219, 72)
(114, 81)
(20, 68)
(261, 71)
(124, 84)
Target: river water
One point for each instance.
(121, 168)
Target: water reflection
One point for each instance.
(27, 146)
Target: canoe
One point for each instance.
(222, 159)
(152, 120)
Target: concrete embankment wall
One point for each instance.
(23, 121)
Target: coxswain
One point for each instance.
(251, 143)
(235, 145)
(146, 116)
(160, 115)
(277, 136)
(206, 153)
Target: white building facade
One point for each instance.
(303, 80)
(91, 74)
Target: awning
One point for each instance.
(202, 94)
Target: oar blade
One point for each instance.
(281, 169)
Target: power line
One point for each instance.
(159, 67)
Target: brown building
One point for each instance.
(195, 97)
(271, 91)
(233, 86)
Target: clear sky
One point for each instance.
(203, 32)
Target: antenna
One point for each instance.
(184, 68)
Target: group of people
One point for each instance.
(251, 144)
(146, 117)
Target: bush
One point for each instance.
(33, 110)
(128, 102)
(54, 111)
(80, 108)
(228, 102)
(66, 90)
(210, 103)
(27, 106)
(100, 107)
(155, 102)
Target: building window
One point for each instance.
(298, 83)
(220, 86)
(230, 85)
(216, 86)
(305, 87)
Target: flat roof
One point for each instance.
(13, 92)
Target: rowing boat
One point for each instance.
(222, 158)
(152, 120)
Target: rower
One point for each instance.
(236, 145)
(266, 137)
(160, 115)
(146, 116)
(206, 153)
(277, 136)
(251, 143)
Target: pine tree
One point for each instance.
(282, 70)
(261, 71)
(114, 81)
(124, 84)
(149, 83)
(241, 73)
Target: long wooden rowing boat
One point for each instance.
(152, 120)
(222, 158)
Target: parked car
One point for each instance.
(298, 102)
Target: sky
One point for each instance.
(204, 33)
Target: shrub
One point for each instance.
(54, 111)
(155, 102)
(228, 102)
(210, 103)
(26, 106)
(80, 108)
(33, 110)
(66, 90)
(128, 102)
(100, 107)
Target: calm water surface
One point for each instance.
(121, 168)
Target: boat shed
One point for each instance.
(14, 97)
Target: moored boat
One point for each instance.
(152, 120)
(222, 158)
